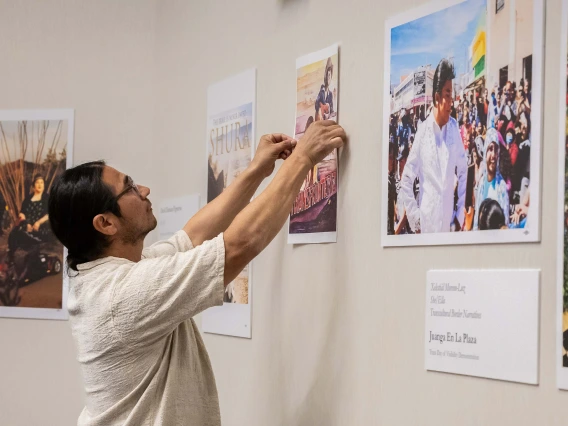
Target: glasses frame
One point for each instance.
(130, 186)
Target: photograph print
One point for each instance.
(36, 148)
(461, 136)
(313, 218)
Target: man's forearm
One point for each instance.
(217, 215)
(254, 228)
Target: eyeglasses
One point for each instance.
(129, 185)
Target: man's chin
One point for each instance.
(153, 224)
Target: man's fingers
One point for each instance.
(337, 142)
(338, 132)
(279, 137)
(327, 123)
(286, 145)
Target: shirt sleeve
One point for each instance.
(153, 296)
(178, 242)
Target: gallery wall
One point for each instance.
(95, 57)
(338, 329)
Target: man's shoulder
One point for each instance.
(454, 128)
(423, 126)
(453, 123)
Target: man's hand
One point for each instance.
(253, 228)
(327, 167)
(271, 148)
(321, 138)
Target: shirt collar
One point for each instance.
(435, 128)
(98, 262)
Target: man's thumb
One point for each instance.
(284, 145)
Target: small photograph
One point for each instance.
(229, 151)
(313, 218)
(34, 153)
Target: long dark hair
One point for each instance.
(75, 199)
(491, 215)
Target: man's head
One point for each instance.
(93, 207)
(442, 91)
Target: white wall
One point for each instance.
(95, 57)
(337, 329)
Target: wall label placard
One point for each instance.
(483, 323)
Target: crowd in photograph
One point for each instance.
(495, 130)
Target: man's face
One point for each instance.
(491, 158)
(328, 77)
(444, 102)
(137, 218)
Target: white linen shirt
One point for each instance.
(142, 358)
(436, 157)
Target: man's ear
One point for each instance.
(105, 223)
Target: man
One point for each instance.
(436, 157)
(141, 355)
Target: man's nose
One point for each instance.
(144, 191)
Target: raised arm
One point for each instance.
(217, 215)
(259, 222)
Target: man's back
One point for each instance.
(142, 369)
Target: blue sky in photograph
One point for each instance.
(447, 33)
